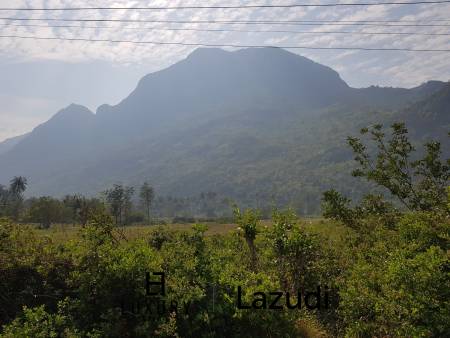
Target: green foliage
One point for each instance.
(372, 207)
(37, 322)
(391, 281)
(387, 268)
(294, 250)
(399, 286)
(418, 184)
(336, 206)
(398, 283)
(147, 195)
(247, 222)
(46, 210)
(11, 200)
(85, 281)
(119, 201)
(18, 185)
(159, 236)
(82, 208)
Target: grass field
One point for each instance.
(65, 232)
(60, 233)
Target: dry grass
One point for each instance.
(310, 328)
(61, 233)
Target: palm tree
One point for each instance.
(16, 188)
(18, 185)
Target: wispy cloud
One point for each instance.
(358, 68)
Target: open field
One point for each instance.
(60, 233)
(65, 232)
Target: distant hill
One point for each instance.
(9, 143)
(252, 124)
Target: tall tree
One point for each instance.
(418, 184)
(46, 210)
(147, 195)
(3, 200)
(82, 207)
(119, 200)
(17, 187)
(248, 223)
(127, 203)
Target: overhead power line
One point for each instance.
(225, 30)
(223, 45)
(236, 22)
(401, 20)
(229, 7)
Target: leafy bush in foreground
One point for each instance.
(388, 270)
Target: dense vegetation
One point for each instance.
(386, 265)
(123, 203)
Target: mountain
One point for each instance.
(254, 123)
(53, 146)
(212, 83)
(9, 143)
(430, 114)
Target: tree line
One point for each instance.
(126, 204)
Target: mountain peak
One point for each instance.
(267, 53)
(207, 52)
(430, 86)
(73, 113)
(102, 109)
(74, 109)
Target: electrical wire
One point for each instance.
(226, 30)
(224, 45)
(403, 3)
(232, 22)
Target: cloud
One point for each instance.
(22, 114)
(356, 67)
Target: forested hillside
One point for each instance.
(260, 126)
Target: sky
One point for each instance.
(40, 77)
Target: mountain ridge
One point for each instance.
(232, 122)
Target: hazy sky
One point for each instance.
(37, 78)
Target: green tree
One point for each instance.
(119, 200)
(294, 249)
(147, 196)
(37, 322)
(248, 223)
(336, 206)
(46, 210)
(17, 187)
(4, 194)
(82, 208)
(397, 285)
(418, 184)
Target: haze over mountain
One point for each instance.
(254, 122)
(9, 143)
